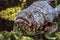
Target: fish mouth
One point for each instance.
(23, 24)
(22, 21)
(27, 25)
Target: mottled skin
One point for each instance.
(36, 16)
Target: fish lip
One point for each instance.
(23, 21)
(20, 21)
(17, 21)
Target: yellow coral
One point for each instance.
(10, 13)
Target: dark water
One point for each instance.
(58, 1)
